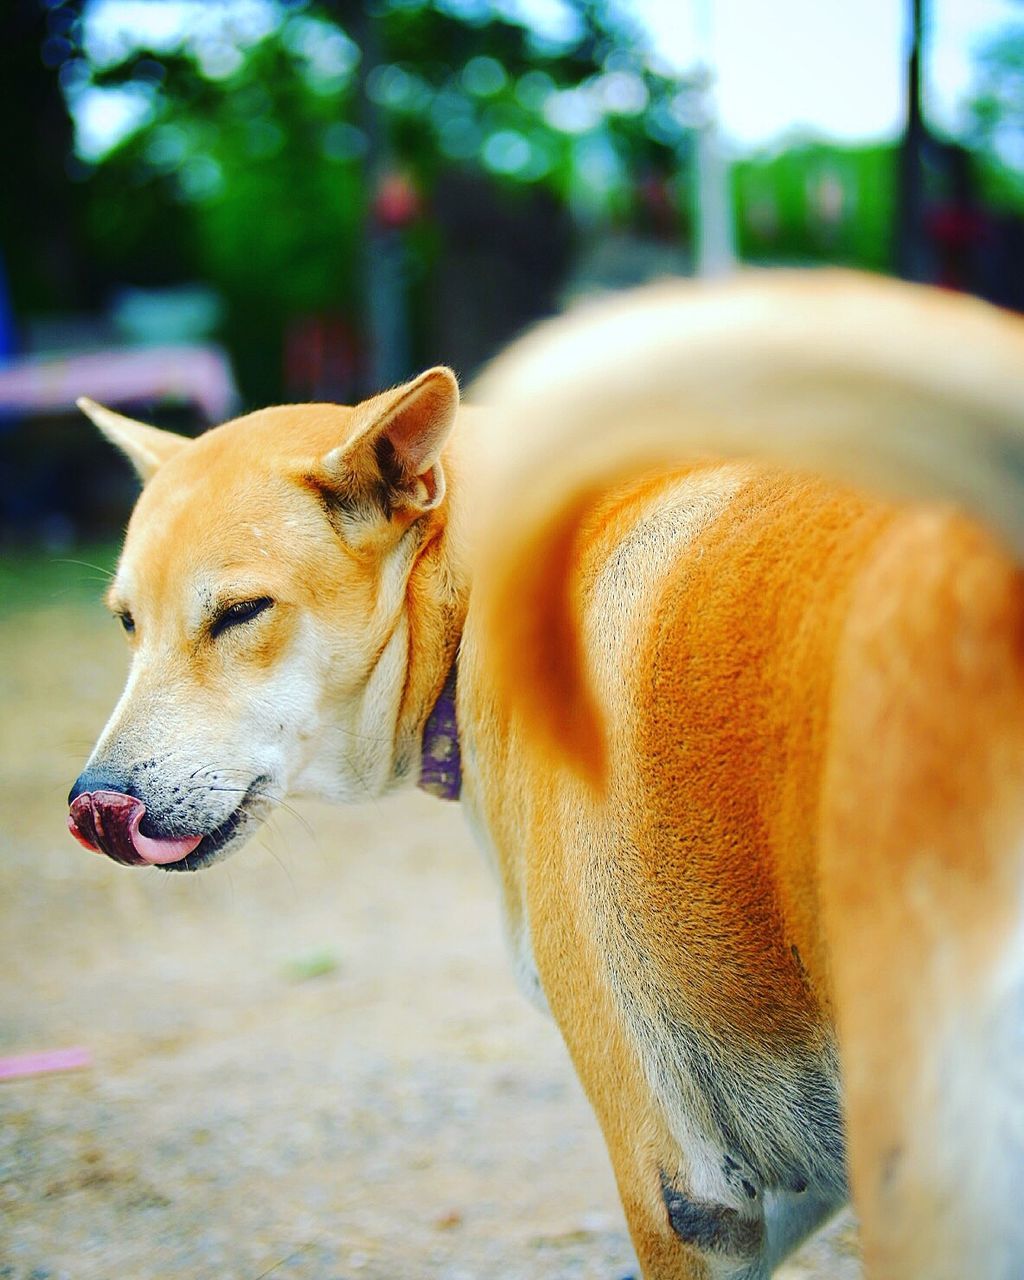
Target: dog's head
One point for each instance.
(280, 587)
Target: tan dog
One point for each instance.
(746, 745)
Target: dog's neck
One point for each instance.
(469, 453)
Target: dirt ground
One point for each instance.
(310, 1063)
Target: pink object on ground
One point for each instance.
(37, 1064)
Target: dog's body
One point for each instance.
(744, 745)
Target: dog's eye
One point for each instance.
(243, 611)
(127, 621)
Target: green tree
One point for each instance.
(996, 116)
(256, 157)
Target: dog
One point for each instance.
(712, 617)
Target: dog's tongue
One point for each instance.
(158, 851)
(109, 820)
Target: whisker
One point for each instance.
(62, 593)
(268, 847)
(269, 796)
(108, 574)
(293, 813)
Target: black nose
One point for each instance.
(99, 780)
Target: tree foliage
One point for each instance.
(996, 116)
(259, 148)
(269, 161)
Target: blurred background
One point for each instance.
(212, 206)
(312, 1061)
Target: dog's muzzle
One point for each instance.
(108, 822)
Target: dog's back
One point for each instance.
(773, 735)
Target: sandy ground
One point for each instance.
(309, 1063)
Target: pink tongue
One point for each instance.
(159, 852)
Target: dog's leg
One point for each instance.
(922, 882)
(677, 1234)
(681, 1229)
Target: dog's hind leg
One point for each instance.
(922, 880)
(683, 1222)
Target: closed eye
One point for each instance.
(234, 615)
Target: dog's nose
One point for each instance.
(108, 822)
(98, 780)
(100, 820)
(82, 820)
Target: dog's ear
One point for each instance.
(394, 452)
(146, 448)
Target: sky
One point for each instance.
(835, 67)
(782, 67)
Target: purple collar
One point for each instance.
(441, 761)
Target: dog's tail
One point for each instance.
(896, 387)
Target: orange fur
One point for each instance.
(813, 808)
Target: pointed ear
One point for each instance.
(394, 452)
(146, 448)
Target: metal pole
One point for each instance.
(714, 244)
(912, 258)
(384, 261)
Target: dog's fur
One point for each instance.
(745, 743)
